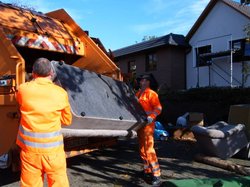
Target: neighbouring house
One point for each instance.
(163, 57)
(220, 54)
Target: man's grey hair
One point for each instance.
(42, 67)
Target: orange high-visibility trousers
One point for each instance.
(147, 151)
(35, 165)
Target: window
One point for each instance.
(241, 50)
(238, 49)
(131, 76)
(237, 45)
(151, 62)
(201, 59)
(247, 48)
(131, 66)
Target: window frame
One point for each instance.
(238, 55)
(206, 63)
(153, 60)
(129, 66)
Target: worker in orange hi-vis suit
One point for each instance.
(151, 104)
(44, 107)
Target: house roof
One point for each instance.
(243, 9)
(170, 39)
(101, 46)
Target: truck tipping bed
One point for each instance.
(101, 106)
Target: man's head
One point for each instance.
(145, 81)
(42, 68)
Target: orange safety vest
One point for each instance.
(44, 107)
(150, 102)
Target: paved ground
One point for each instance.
(121, 166)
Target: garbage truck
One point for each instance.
(103, 107)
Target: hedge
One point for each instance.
(214, 102)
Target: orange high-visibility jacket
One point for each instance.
(44, 107)
(150, 102)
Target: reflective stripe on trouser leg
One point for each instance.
(156, 169)
(147, 168)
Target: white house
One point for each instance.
(213, 59)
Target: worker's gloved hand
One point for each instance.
(149, 120)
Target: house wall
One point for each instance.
(222, 24)
(170, 67)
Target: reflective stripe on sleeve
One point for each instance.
(152, 112)
(158, 109)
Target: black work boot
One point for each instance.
(156, 181)
(147, 177)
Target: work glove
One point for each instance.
(149, 120)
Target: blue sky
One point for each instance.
(119, 23)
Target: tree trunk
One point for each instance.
(224, 164)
